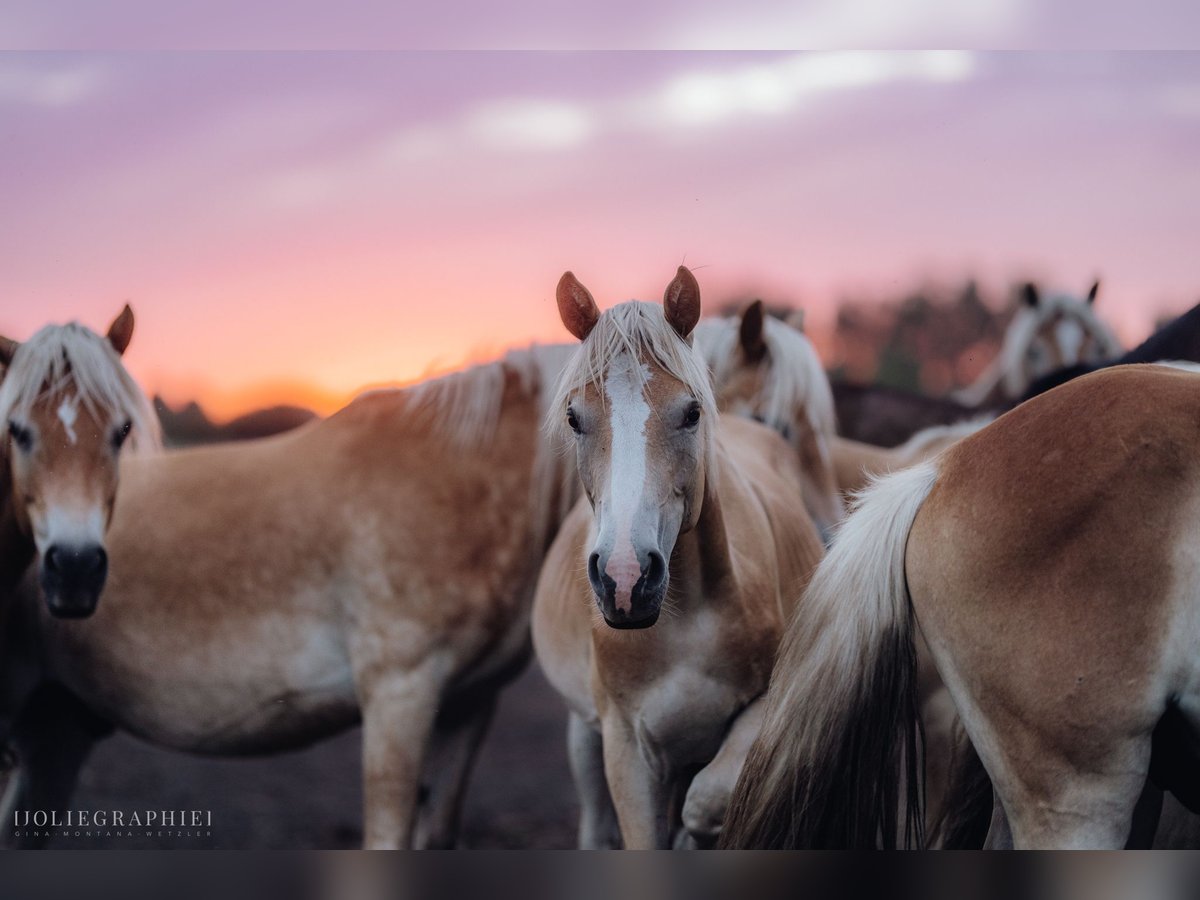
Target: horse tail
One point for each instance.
(841, 740)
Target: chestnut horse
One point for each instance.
(68, 407)
(378, 564)
(767, 370)
(687, 512)
(1049, 561)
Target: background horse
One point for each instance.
(379, 563)
(68, 407)
(767, 370)
(1046, 333)
(685, 512)
(1060, 608)
(1049, 340)
(1179, 339)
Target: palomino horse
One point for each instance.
(1046, 333)
(856, 464)
(767, 370)
(377, 564)
(68, 407)
(1049, 562)
(1178, 339)
(686, 512)
(781, 385)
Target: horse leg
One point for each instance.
(640, 795)
(1145, 818)
(457, 737)
(53, 737)
(1052, 804)
(399, 709)
(999, 835)
(597, 818)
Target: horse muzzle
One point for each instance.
(636, 607)
(72, 578)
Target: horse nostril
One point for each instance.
(656, 569)
(594, 569)
(51, 559)
(96, 561)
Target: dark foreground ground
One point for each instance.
(521, 794)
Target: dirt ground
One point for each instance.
(521, 794)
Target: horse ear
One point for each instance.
(576, 306)
(1029, 293)
(796, 319)
(8, 349)
(681, 302)
(1091, 295)
(121, 330)
(754, 347)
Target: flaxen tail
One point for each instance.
(840, 748)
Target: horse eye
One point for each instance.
(573, 421)
(21, 436)
(120, 434)
(692, 417)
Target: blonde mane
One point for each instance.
(465, 408)
(60, 358)
(794, 375)
(639, 329)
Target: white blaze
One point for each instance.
(76, 526)
(68, 412)
(1070, 336)
(629, 413)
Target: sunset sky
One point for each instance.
(293, 226)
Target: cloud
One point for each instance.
(776, 87)
(530, 124)
(546, 125)
(52, 88)
(875, 24)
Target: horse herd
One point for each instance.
(767, 631)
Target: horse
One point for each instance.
(1049, 340)
(1048, 561)
(687, 512)
(767, 370)
(377, 565)
(1046, 333)
(1177, 340)
(856, 464)
(69, 409)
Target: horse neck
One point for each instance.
(702, 564)
(16, 547)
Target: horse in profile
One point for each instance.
(1047, 333)
(767, 370)
(377, 565)
(1049, 562)
(68, 408)
(686, 513)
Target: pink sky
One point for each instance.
(294, 226)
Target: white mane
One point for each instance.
(794, 379)
(63, 358)
(639, 329)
